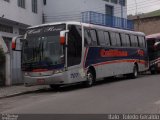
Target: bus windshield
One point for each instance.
(42, 49)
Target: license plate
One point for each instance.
(41, 81)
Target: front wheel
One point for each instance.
(90, 79)
(55, 87)
(135, 72)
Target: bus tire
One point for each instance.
(90, 78)
(54, 87)
(135, 72)
(153, 72)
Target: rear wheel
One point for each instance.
(153, 72)
(90, 78)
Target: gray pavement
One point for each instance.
(139, 95)
(18, 90)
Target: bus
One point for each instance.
(65, 53)
(153, 43)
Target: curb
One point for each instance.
(20, 93)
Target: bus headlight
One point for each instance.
(26, 73)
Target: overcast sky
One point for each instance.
(143, 6)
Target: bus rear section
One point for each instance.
(153, 42)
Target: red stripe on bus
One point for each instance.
(120, 61)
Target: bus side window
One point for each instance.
(107, 38)
(115, 39)
(118, 39)
(123, 38)
(134, 41)
(94, 37)
(141, 41)
(101, 38)
(87, 36)
(128, 40)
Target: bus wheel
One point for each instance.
(55, 87)
(135, 72)
(90, 79)
(153, 72)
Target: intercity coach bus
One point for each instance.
(153, 43)
(64, 53)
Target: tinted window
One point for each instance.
(115, 39)
(118, 39)
(128, 42)
(107, 38)
(134, 41)
(90, 37)
(101, 38)
(94, 37)
(141, 41)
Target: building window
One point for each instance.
(44, 2)
(122, 2)
(34, 6)
(6, 28)
(114, 1)
(7, 0)
(21, 3)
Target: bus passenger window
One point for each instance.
(141, 41)
(115, 39)
(134, 41)
(128, 42)
(118, 39)
(101, 38)
(123, 38)
(87, 36)
(94, 37)
(107, 38)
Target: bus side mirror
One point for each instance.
(63, 37)
(157, 46)
(17, 43)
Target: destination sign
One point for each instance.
(46, 30)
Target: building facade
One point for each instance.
(15, 17)
(149, 23)
(70, 10)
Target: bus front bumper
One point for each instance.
(60, 78)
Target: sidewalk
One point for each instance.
(18, 90)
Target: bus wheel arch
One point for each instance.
(90, 76)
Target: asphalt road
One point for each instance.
(141, 95)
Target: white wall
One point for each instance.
(11, 11)
(61, 10)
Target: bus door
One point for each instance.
(74, 51)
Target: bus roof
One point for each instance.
(91, 26)
(155, 36)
